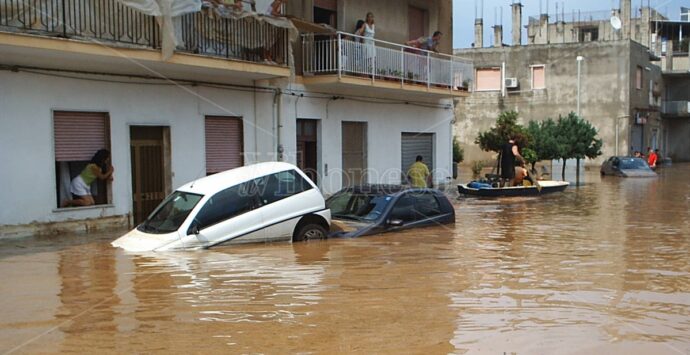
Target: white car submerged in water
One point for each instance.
(255, 203)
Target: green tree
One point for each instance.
(458, 152)
(530, 156)
(577, 139)
(506, 127)
(545, 139)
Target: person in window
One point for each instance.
(427, 43)
(418, 174)
(275, 8)
(80, 188)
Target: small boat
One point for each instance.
(486, 190)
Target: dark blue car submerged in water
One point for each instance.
(371, 209)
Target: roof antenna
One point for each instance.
(198, 176)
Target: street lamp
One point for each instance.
(579, 63)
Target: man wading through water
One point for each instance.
(508, 155)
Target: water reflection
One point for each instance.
(600, 268)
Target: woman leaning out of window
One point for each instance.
(100, 168)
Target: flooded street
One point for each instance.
(598, 269)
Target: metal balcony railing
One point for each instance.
(351, 55)
(681, 108)
(106, 20)
(109, 21)
(245, 38)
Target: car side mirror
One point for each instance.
(194, 229)
(395, 222)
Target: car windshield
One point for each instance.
(171, 213)
(632, 163)
(358, 206)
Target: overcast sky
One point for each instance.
(463, 14)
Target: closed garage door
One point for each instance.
(414, 144)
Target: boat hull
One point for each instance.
(545, 188)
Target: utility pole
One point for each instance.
(579, 65)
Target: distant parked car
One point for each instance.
(370, 209)
(626, 167)
(255, 203)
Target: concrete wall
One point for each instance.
(606, 80)
(677, 143)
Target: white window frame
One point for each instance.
(531, 76)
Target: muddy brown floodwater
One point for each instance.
(598, 269)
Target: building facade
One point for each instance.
(615, 76)
(236, 90)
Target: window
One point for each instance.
(275, 187)
(226, 204)
(488, 79)
(638, 78)
(426, 205)
(77, 137)
(403, 209)
(171, 213)
(224, 143)
(325, 11)
(538, 80)
(415, 207)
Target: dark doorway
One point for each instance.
(416, 22)
(326, 11)
(354, 148)
(307, 148)
(150, 156)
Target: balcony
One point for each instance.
(347, 60)
(105, 34)
(676, 108)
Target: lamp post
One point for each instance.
(579, 65)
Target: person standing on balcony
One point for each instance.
(427, 43)
(368, 31)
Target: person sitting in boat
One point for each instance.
(522, 175)
(509, 153)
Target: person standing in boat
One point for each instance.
(509, 153)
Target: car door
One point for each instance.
(284, 197)
(230, 215)
(414, 209)
(427, 208)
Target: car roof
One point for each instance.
(384, 189)
(221, 181)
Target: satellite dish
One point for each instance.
(616, 23)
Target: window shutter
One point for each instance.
(224, 142)
(538, 78)
(489, 79)
(79, 135)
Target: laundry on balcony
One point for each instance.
(244, 35)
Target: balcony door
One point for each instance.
(326, 11)
(354, 150)
(417, 22)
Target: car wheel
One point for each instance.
(310, 232)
